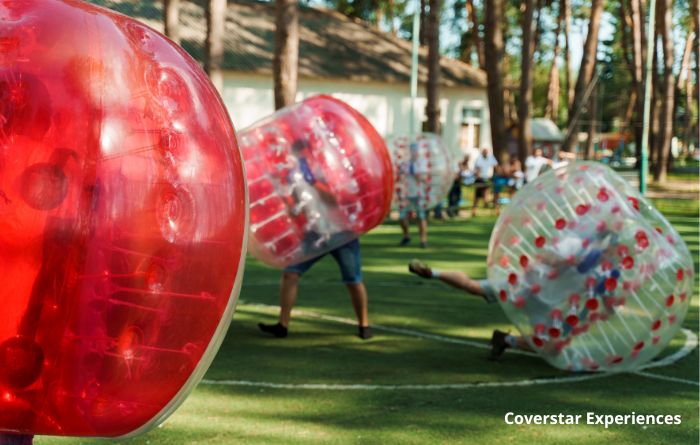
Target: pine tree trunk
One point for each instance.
(551, 110)
(473, 24)
(526, 75)
(668, 88)
(286, 57)
(638, 57)
(171, 19)
(565, 5)
(390, 10)
(590, 50)
(432, 110)
(214, 48)
(695, 12)
(494, 52)
(423, 34)
(592, 113)
(685, 83)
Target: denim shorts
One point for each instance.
(413, 204)
(489, 291)
(348, 258)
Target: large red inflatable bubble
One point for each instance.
(319, 176)
(122, 221)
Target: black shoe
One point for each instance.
(498, 344)
(423, 244)
(404, 241)
(365, 332)
(277, 330)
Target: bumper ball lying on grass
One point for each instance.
(592, 275)
(423, 170)
(319, 176)
(122, 221)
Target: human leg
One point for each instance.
(458, 280)
(350, 265)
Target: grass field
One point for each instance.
(325, 351)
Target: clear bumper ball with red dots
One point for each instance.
(423, 170)
(319, 176)
(593, 276)
(122, 221)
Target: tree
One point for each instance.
(171, 19)
(638, 57)
(494, 51)
(286, 57)
(526, 78)
(214, 48)
(566, 11)
(668, 90)
(432, 109)
(473, 38)
(585, 75)
(551, 110)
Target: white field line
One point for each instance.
(427, 387)
(691, 341)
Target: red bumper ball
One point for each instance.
(122, 221)
(319, 175)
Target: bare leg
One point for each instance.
(522, 344)
(404, 227)
(460, 280)
(289, 287)
(358, 296)
(423, 230)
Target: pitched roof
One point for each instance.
(331, 45)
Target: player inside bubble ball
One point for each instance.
(572, 262)
(307, 187)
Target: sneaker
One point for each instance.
(423, 244)
(277, 330)
(420, 269)
(404, 241)
(364, 332)
(498, 344)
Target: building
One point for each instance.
(545, 135)
(346, 58)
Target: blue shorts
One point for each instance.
(348, 258)
(413, 204)
(489, 291)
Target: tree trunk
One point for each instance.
(685, 82)
(695, 12)
(526, 75)
(214, 48)
(286, 58)
(423, 34)
(668, 89)
(638, 57)
(592, 113)
(171, 19)
(655, 116)
(590, 50)
(551, 110)
(432, 109)
(494, 53)
(565, 5)
(390, 10)
(378, 17)
(473, 23)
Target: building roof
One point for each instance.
(545, 130)
(332, 46)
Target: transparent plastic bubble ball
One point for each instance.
(319, 176)
(593, 276)
(424, 170)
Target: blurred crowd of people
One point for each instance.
(481, 169)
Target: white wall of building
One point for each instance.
(249, 97)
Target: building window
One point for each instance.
(471, 115)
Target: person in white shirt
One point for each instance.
(483, 170)
(534, 163)
(563, 159)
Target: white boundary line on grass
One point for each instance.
(691, 341)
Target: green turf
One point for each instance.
(320, 351)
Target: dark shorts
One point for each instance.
(348, 258)
(480, 189)
(498, 183)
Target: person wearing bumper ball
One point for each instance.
(308, 185)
